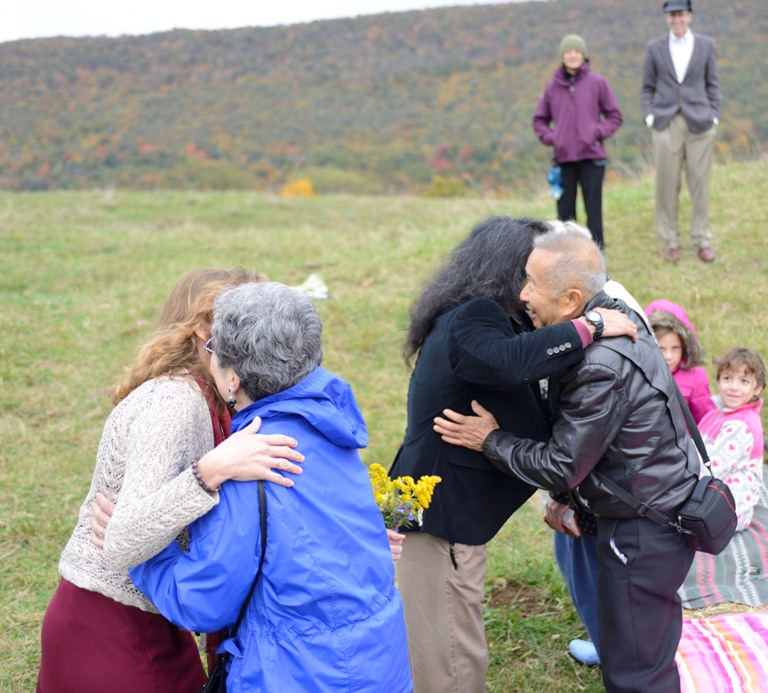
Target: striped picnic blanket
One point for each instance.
(739, 574)
(727, 653)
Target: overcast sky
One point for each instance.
(39, 18)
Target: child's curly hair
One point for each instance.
(742, 357)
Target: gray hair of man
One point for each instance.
(579, 262)
(570, 225)
(269, 334)
(613, 288)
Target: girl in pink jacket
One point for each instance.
(733, 432)
(683, 353)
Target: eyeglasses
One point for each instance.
(208, 346)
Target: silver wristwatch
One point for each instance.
(594, 318)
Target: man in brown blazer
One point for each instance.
(680, 99)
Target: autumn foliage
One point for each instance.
(377, 104)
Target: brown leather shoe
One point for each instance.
(706, 255)
(673, 255)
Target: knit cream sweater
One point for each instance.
(149, 442)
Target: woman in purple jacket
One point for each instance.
(575, 115)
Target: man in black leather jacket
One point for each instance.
(616, 413)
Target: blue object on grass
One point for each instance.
(584, 652)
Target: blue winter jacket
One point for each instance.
(325, 615)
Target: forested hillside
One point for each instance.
(376, 104)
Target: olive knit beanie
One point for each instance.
(573, 41)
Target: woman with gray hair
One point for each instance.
(325, 614)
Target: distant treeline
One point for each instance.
(378, 104)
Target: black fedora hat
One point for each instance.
(677, 6)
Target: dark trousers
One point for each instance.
(589, 175)
(640, 618)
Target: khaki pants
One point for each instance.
(674, 147)
(443, 614)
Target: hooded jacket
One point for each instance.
(325, 615)
(616, 412)
(734, 440)
(689, 374)
(576, 117)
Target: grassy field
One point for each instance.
(83, 275)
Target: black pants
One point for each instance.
(590, 176)
(640, 619)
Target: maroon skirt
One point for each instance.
(92, 644)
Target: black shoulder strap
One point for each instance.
(638, 506)
(263, 523)
(693, 430)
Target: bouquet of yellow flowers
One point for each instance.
(402, 501)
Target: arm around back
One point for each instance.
(484, 349)
(165, 428)
(591, 411)
(204, 588)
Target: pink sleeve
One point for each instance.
(700, 399)
(584, 333)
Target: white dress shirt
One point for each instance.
(681, 50)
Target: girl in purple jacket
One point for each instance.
(575, 115)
